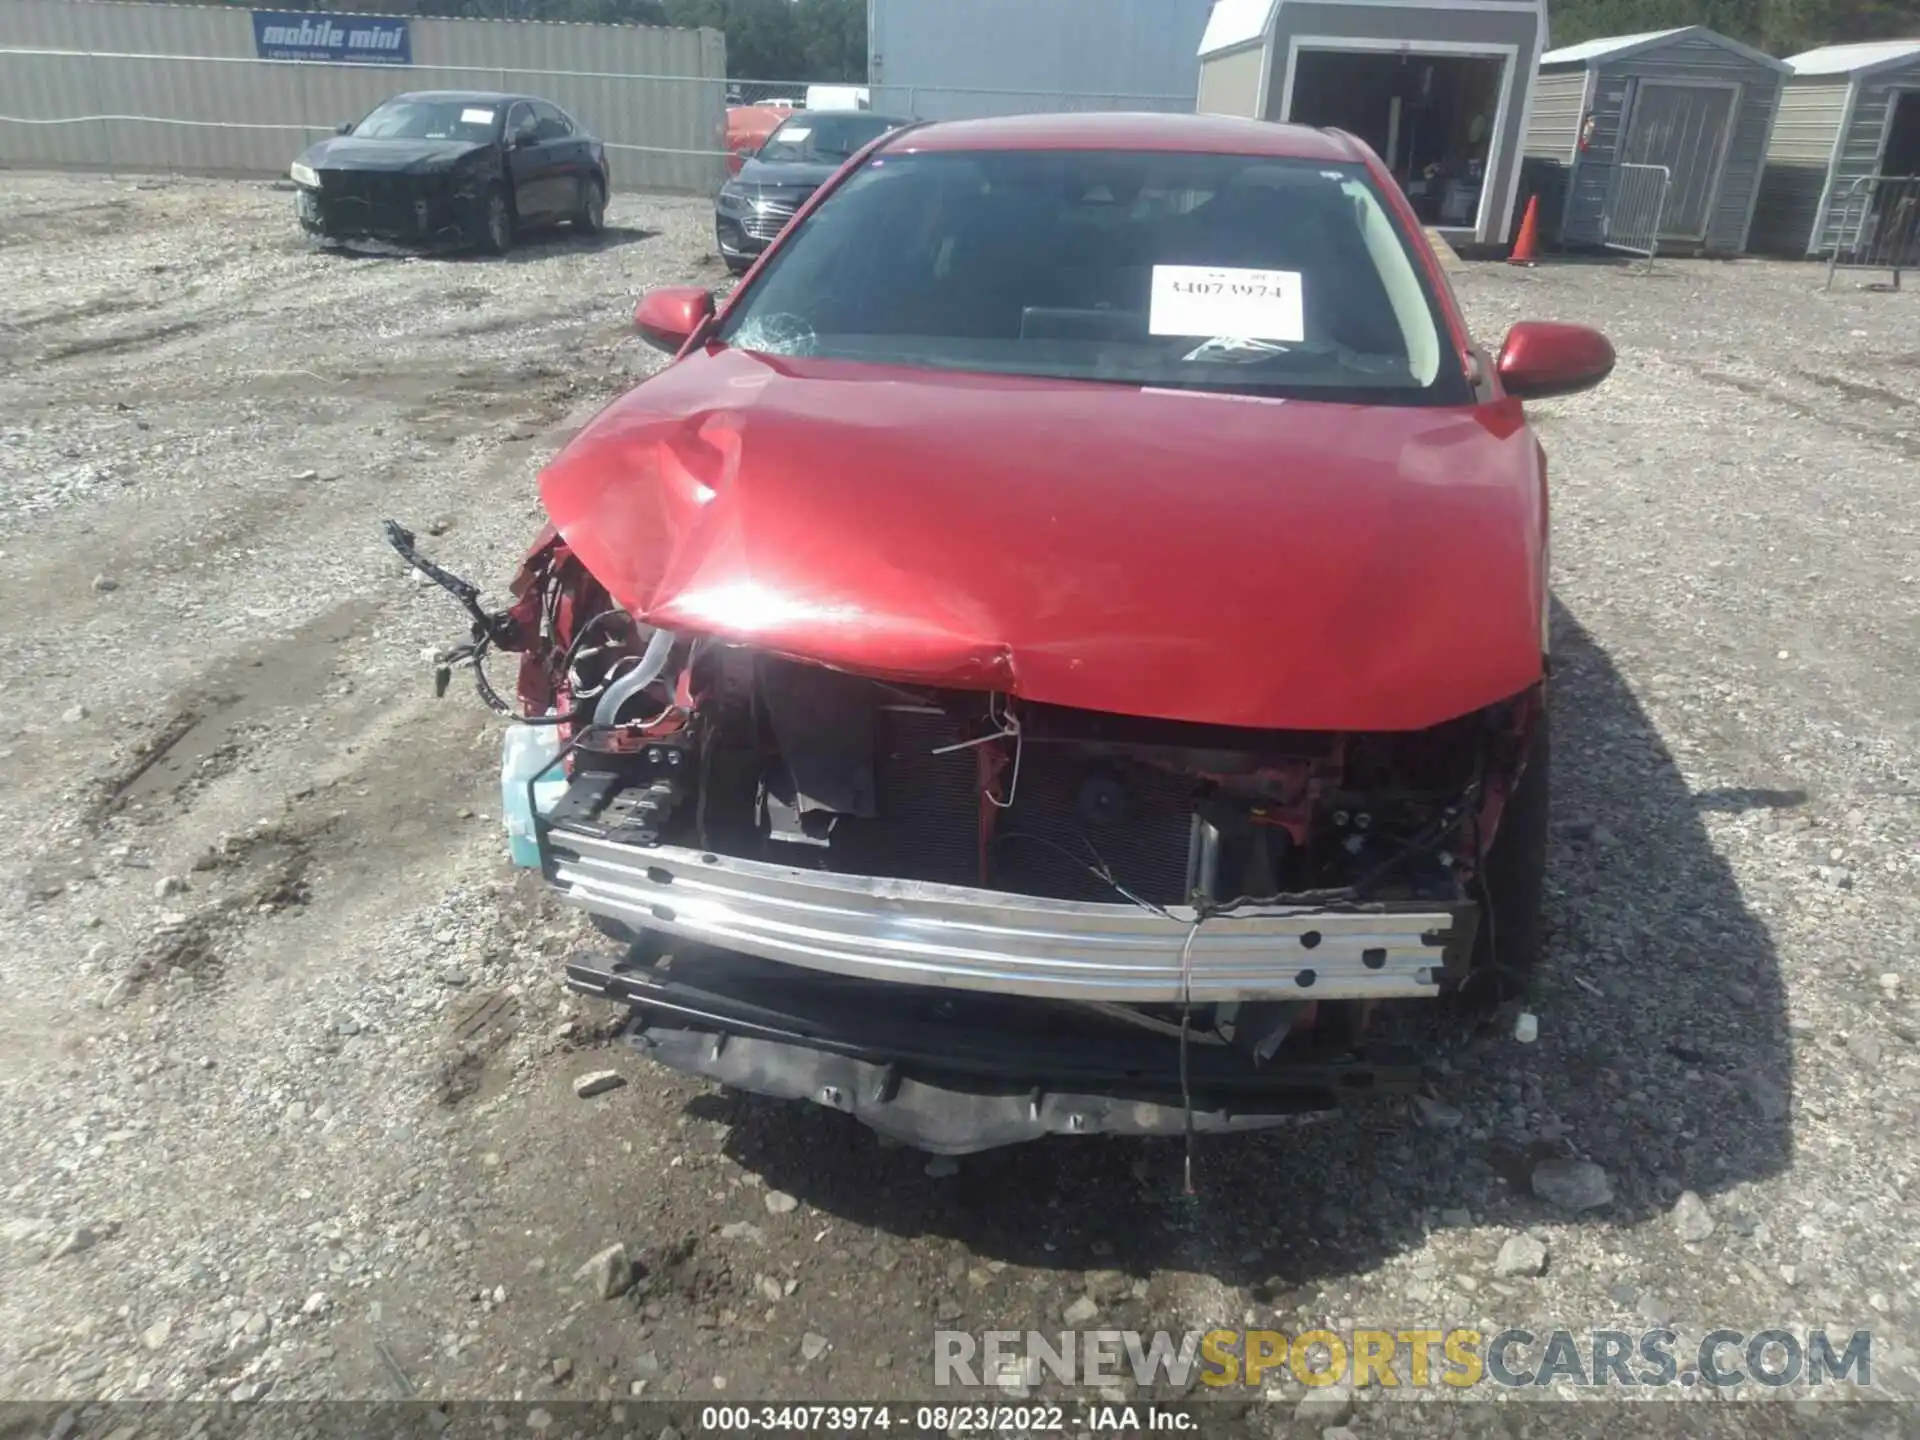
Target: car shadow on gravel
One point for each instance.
(530, 248)
(1621, 260)
(1662, 1056)
(539, 244)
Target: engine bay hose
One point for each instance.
(635, 680)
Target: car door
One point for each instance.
(566, 155)
(532, 185)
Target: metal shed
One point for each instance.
(1439, 88)
(1689, 99)
(1848, 113)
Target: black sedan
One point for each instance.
(791, 163)
(453, 168)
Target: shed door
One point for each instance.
(1685, 128)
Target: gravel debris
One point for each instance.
(1692, 1221)
(778, 1202)
(1438, 1114)
(609, 1273)
(1521, 1255)
(1572, 1184)
(598, 1082)
(81, 1239)
(1328, 1406)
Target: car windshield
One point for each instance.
(429, 120)
(829, 137)
(1231, 273)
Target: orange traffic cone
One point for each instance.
(1527, 248)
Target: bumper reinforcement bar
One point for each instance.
(956, 937)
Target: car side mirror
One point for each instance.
(523, 138)
(1541, 359)
(345, 127)
(667, 318)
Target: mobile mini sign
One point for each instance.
(349, 39)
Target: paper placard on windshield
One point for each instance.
(1243, 304)
(476, 117)
(792, 134)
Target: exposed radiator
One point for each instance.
(1069, 813)
(929, 822)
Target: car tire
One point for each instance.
(591, 217)
(737, 267)
(496, 221)
(1512, 931)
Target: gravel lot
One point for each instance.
(286, 1099)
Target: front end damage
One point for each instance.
(429, 209)
(969, 919)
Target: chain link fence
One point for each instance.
(776, 94)
(1636, 208)
(1879, 226)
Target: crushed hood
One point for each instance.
(345, 152)
(1280, 564)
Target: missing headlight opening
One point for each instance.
(979, 918)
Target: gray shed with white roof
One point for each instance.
(1690, 99)
(1847, 114)
(1438, 88)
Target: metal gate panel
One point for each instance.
(1686, 128)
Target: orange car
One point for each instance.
(747, 129)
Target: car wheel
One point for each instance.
(496, 222)
(1507, 945)
(591, 217)
(735, 266)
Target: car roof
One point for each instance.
(477, 97)
(1115, 130)
(863, 114)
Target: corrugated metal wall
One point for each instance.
(1799, 158)
(1558, 97)
(1547, 149)
(1230, 82)
(1861, 152)
(1687, 60)
(941, 60)
(176, 87)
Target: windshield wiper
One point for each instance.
(1238, 351)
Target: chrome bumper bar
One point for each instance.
(913, 933)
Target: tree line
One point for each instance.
(1780, 27)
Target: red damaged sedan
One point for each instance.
(1059, 648)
